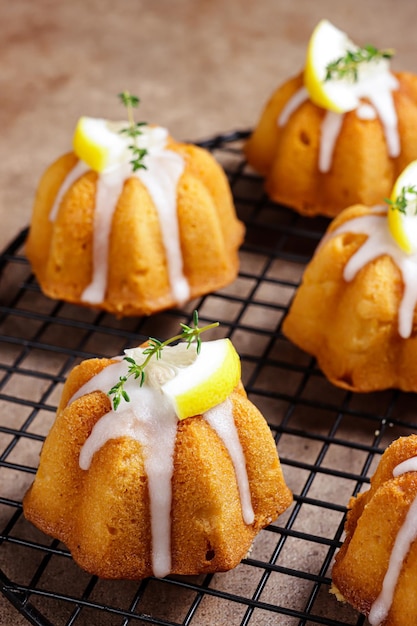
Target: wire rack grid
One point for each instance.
(329, 440)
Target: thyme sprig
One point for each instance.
(134, 130)
(190, 334)
(348, 66)
(402, 201)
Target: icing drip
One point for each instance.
(330, 129)
(380, 95)
(405, 537)
(78, 170)
(366, 112)
(221, 420)
(378, 90)
(164, 169)
(409, 465)
(109, 187)
(149, 418)
(296, 100)
(379, 243)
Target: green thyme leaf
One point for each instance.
(348, 65)
(190, 334)
(402, 201)
(128, 99)
(133, 130)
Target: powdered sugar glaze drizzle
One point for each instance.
(150, 419)
(405, 537)
(379, 242)
(377, 91)
(164, 168)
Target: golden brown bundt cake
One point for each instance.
(135, 242)
(320, 161)
(355, 307)
(135, 491)
(376, 567)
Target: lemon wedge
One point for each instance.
(207, 381)
(99, 143)
(403, 223)
(328, 44)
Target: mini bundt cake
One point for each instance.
(354, 310)
(319, 160)
(375, 569)
(134, 491)
(355, 307)
(134, 242)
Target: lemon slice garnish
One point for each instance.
(207, 381)
(403, 223)
(327, 45)
(99, 143)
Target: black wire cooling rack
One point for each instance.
(329, 440)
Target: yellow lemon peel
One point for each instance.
(402, 224)
(327, 47)
(193, 380)
(99, 143)
(207, 382)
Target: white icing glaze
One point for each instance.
(78, 170)
(150, 419)
(330, 129)
(366, 111)
(405, 537)
(378, 90)
(164, 169)
(221, 420)
(296, 100)
(409, 465)
(378, 243)
(109, 187)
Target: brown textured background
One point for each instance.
(200, 66)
